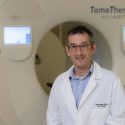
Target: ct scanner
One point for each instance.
(23, 101)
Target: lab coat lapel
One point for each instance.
(92, 84)
(89, 89)
(69, 97)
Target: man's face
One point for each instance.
(80, 50)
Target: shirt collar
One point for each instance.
(72, 76)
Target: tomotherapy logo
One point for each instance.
(112, 11)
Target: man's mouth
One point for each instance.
(80, 57)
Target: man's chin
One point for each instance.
(80, 66)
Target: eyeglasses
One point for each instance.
(74, 47)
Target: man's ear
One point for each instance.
(67, 50)
(93, 47)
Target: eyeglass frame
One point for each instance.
(85, 46)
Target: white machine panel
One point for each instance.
(123, 39)
(17, 42)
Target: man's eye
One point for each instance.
(73, 46)
(83, 45)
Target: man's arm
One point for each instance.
(53, 112)
(117, 114)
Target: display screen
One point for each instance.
(17, 35)
(124, 33)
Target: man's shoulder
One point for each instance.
(105, 72)
(61, 76)
(109, 73)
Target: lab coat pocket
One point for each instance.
(98, 116)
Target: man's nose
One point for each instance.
(79, 51)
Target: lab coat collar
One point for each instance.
(72, 75)
(97, 74)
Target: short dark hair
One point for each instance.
(80, 30)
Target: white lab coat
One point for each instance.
(102, 103)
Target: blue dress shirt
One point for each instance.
(78, 84)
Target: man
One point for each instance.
(86, 94)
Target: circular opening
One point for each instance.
(51, 59)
